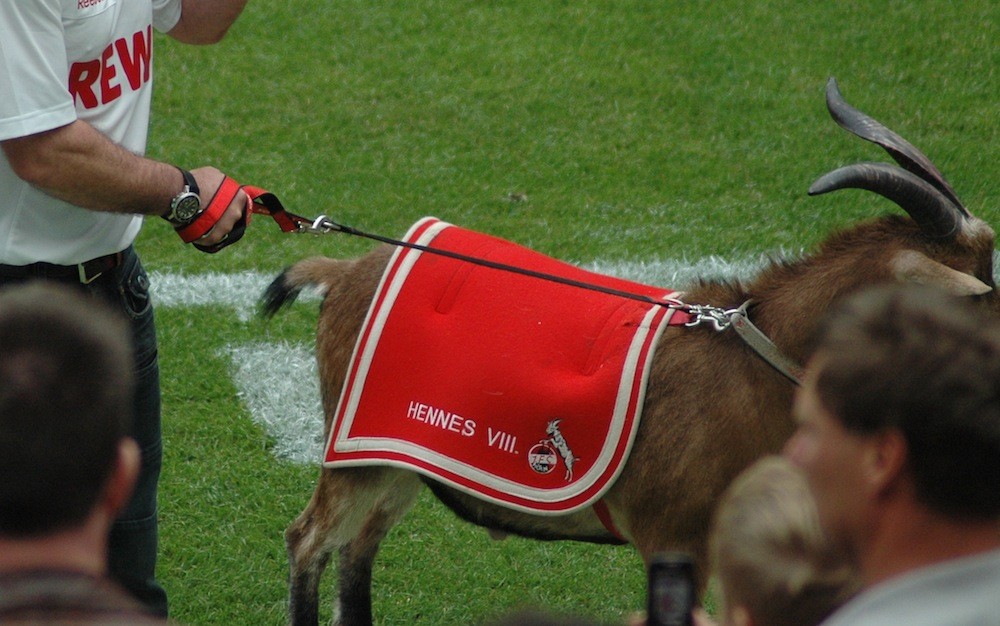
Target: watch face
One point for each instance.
(187, 206)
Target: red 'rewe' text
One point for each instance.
(97, 81)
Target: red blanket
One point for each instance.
(519, 390)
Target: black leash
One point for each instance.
(268, 204)
(694, 314)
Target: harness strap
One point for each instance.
(763, 346)
(604, 514)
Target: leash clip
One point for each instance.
(319, 226)
(719, 318)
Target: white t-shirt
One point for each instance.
(962, 592)
(63, 60)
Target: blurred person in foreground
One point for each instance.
(75, 186)
(67, 463)
(899, 437)
(773, 563)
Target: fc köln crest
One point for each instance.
(542, 456)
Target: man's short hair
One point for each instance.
(769, 552)
(66, 387)
(927, 364)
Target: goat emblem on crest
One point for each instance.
(557, 441)
(542, 455)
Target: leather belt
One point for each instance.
(86, 272)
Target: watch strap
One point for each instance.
(189, 180)
(190, 187)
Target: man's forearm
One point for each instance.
(206, 21)
(80, 165)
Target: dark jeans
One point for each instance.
(133, 541)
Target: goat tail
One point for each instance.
(320, 272)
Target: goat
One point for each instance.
(692, 438)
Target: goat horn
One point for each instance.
(936, 214)
(901, 150)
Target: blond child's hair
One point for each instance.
(769, 553)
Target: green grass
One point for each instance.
(635, 129)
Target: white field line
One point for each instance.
(278, 384)
(278, 381)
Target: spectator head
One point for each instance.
(774, 565)
(65, 405)
(912, 370)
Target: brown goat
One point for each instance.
(738, 410)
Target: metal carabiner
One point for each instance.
(719, 318)
(319, 226)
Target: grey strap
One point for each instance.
(763, 346)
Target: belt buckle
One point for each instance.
(86, 280)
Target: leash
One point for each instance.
(266, 203)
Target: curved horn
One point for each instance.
(936, 214)
(901, 150)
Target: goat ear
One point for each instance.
(913, 267)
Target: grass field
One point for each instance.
(599, 132)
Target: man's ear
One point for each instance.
(121, 481)
(886, 460)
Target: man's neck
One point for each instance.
(76, 550)
(910, 540)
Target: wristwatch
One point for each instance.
(186, 205)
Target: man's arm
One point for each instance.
(80, 165)
(206, 21)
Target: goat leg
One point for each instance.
(355, 582)
(308, 556)
(303, 594)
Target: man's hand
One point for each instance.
(209, 181)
